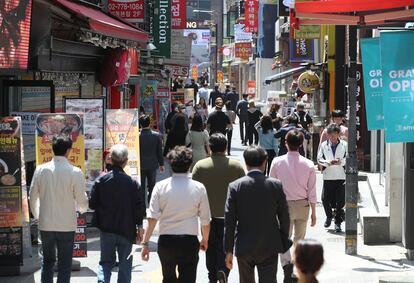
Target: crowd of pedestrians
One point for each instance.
(257, 212)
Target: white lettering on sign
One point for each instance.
(163, 22)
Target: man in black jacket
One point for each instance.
(150, 148)
(241, 111)
(256, 208)
(214, 95)
(119, 207)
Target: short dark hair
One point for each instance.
(228, 104)
(292, 119)
(309, 257)
(60, 145)
(145, 121)
(254, 156)
(333, 128)
(197, 124)
(294, 139)
(180, 158)
(217, 142)
(337, 113)
(266, 124)
(245, 95)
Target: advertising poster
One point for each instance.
(243, 50)
(370, 48)
(398, 85)
(177, 97)
(56, 124)
(178, 14)
(11, 212)
(80, 247)
(130, 10)
(28, 131)
(122, 128)
(148, 93)
(251, 88)
(93, 125)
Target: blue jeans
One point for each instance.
(110, 243)
(63, 241)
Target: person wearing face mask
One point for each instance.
(337, 117)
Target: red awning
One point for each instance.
(348, 6)
(106, 24)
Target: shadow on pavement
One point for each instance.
(84, 272)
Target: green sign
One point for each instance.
(162, 27)
(308, 32)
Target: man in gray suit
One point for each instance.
(150, 148)
(256, 208)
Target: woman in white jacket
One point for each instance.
(332, 156)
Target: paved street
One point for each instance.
(370, 263)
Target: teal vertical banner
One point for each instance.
(372, 74)
(397, 64)
(162, 27)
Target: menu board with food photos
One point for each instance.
(11, 215)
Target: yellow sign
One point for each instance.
(220, 76)
(308, 82)
(308, 32)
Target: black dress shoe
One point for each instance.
(338, 228)
(288, 272)
(327, 222)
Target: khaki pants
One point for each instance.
(299, 215)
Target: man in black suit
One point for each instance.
(256, 208)
(241, 112)
(214, 95)
(150, 148)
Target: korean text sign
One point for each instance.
(130, 10)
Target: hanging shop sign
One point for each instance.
(302, 50)
(122, 128)
(308, 82)
(178, 14)
(148, 92)
(243, 50)
(307, 32)
(220, 76)
(251, 11)
(398, 85)
(194, 72)
(240, 34)
(251, 88)
(370, 48)
(162, 27)
(178, 71)
(131, 10)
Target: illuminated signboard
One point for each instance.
(15, 18)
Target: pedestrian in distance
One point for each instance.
(181, 111)
(332, 156)
(256, 208)
(305, 121)
(206, 171)
(151, 157)
(292, 124)
(308, 258)
(118, 204)
(277, 119)
(202, 110)
(177, 203)
(218, 121)
(167, 123)
(232, 116)
(253, 116)
(214, 95)
(337, 117)
(267, 139)
(241, 112)
(203, 92)
(298, 178)
(176, 136)
(233, 97)
(197, 140)
(57, 190)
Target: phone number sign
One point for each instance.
(131, 10)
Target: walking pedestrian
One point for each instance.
(332, 156)
(177, 203)
(57, 189)
(241, 111)
(202, 110)
(267, 139)
(203, 93)
(206, 172)
(337, 117)
(253, 116)
(232, 116)
(308, 260)
(167, 123)
(256, 208)
(214, 95)
(305, 121)
(176, 136)
(298, 178)
(277, 119)
(181, 111)
(151, 158)
(218, 121)
(194, 86)
(292, 124)
(197, 139)
(233, 97)
(118, 204)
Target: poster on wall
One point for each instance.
(11, 205)
(302, 50)
(28, 131)
(122, 128)
(93, 113)
(148, 92)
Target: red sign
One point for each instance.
(251, 87)
(178, 14)
(15, 18)
(243, 50)
(194, 72)
(130, 10)
(251, 11)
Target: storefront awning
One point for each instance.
(284, 74)
(105, 24)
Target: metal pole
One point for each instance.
(351, 192)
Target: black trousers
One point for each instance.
(150, 177)
(251, 131)
(178, 251)
(270, 155)
(266, 268)
(333, 197)
(229, 136)
(215, 255)
(243, 129)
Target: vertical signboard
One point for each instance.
(251, 11)
(178, 14)
(148, 91)
(162, 27)
(163, 99)
(373, 83)
(251, 88)
(397, 62)
(131, 10)
(11, 212)
(301, 50)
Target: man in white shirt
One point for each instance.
(57, 190)
(203, 93)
